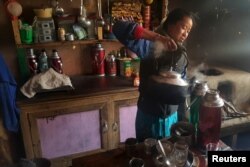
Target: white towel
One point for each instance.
(48, 80)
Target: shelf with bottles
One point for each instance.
(64, 43)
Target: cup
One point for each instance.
(136, 162)
(149, 143)
(212, 147)
(167, 146)
(164, 161)
(130, 146)
(180, 153)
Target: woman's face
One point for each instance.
(180, 30)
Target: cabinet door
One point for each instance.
(68, 132)
(125, 114)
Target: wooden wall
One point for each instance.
(76, 58)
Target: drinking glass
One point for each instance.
(149, 143)
(180, 153)
(212, 146)
(136, 162)
(130, 146)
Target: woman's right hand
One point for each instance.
(167, 42)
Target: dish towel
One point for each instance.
(46, 81)
(8, 98)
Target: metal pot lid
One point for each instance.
(170, 77)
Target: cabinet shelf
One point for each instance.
(64, 43)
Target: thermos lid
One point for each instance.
(200, 88)
(212, 99)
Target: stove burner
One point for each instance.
(211, 72)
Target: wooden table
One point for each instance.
(119, 158)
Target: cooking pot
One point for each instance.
(168, 87)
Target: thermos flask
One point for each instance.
(210, 118)
(56, 62)
(43, 61)
(32, 62)
(98, 57)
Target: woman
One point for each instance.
(155, 117)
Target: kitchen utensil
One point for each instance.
(82, 18)
(59, 11)
(170, 77)
(168, 87)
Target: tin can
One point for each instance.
(98, 57)
(125, 67)
(209, 119)
(110, 65)
(56, 62)
(32, 62)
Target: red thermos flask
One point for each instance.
(98, 57)
(209, 118)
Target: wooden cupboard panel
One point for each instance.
(124, 116)
(127, 115)
(69, 134)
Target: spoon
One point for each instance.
(164, 154)
(161, 147)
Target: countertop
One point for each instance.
(84, 86)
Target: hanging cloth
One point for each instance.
(8, 107)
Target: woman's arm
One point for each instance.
(138, 39)
(125, 33)
(168, 43)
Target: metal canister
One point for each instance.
(32, 62)
(110, 65)
(98, 57)
(210, 118)
(56, 62)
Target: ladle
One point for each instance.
(59, 11)
(82, 17)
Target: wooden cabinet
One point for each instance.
(125, 114)
(64, 129)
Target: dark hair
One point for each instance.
(176, 15)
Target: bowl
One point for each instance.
(184, 131)
(43, 13)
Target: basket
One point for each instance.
(43, 13)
